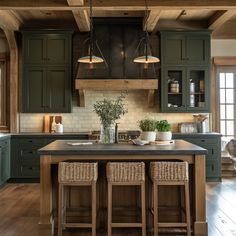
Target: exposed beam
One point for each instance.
(9, 21)
(119, 5)
(219, 18)
(81, 16)
(152, 20)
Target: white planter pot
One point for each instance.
(148, 135)
(164, 136)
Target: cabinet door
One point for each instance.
(173, 97)
(198, 49)
(58, 90)
(34, 49)
(197, 95)
(4, 161)
(33, 87)
(173, 49)
(58, 49)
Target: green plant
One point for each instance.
(147, 124)
(110, 110)
(163, 126)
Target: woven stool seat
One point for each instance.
(169, 171)
(73, 172)
(126, 172)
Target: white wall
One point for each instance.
(223, 47)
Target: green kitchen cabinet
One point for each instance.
(192, 94)
(4, 160)
(185, 66)
(185, 48)
(46, 79)
(25, 160)
(211, 142)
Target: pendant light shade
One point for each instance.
(144, 47)
(148, 59)
(92, 46)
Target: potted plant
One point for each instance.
(163, 130)
(109, 111)
(148, 127)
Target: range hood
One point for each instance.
(117, 84)
(118, 40)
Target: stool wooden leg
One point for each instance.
(188, 218)
(60, 209)
(109, 206)
(94, 208)
(143, 203)
(155, 209)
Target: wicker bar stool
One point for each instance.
(170, 173)
(123, 174)
(76, 174)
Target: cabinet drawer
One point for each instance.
(34, 142)
(4, 143)
(212, 169)
(30, 170)
(27, 154)
(201, 141)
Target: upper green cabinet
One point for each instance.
(46, 80)
(185, 48)
(185, 66)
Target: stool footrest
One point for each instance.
(126, 225)
(77, 225)
(172, 225)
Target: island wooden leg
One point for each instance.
(46, 222)
(200, 224)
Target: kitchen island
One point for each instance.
(60, 150)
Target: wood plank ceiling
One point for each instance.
(216, 15)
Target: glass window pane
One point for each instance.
(222, 80)
(230, 128)
(222, 95)
(229, 96)
(230, 112)
(222, 127)
(229, 80)
(222, 112)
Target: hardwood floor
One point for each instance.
(19, 209)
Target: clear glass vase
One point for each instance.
(107, 134)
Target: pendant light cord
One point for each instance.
(91, 29)
(146, 31)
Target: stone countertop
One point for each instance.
(180, 147)
(49, 134)
(3, 135)
(210, 134)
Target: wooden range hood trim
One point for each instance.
(116, 84)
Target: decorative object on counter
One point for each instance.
(53, 121)
(200, 120)
(139, 142)
(188, 127)
(109, 111)
(148, 127)
(93, 47)
(59, 128)
(144, 45)
(163, 130)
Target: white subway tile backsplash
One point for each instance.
(85, 119)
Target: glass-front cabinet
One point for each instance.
(184, 89)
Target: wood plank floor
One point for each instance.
(19, 209)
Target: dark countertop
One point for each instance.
(180, 147)
(50, 134)
(197, 135)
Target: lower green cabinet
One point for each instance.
(4, 160)
(211, 142)
(25, 160)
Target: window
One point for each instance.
(3, 94)
(227, 101)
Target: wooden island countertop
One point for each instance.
(60, 150)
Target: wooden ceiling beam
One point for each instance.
(219, 18)
(152, 20)
(81, 15)
(9, 21)
(118, 4)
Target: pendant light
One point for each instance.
(91, 58)
(146, 58)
